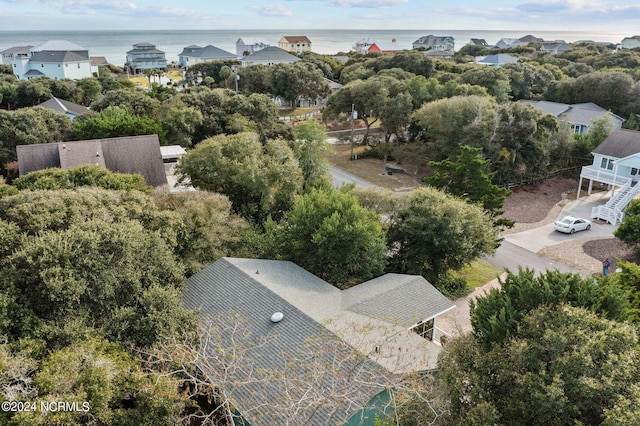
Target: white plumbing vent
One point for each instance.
(277, 317)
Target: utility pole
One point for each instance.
(353, 118)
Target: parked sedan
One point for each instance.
(570, 224)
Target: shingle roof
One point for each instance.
(620, 143)
(62, 106)
(16, 49)
(34, 73)
(498, 59)
(296, 39)
(207, 52)
(58, 56)
(403, 299)
(99, 60)
(227, 287)
(248, 41)
(583, 114)
(271, 54)
(58, 45)
(132, 154)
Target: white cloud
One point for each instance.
(271, 10)
(368, 3)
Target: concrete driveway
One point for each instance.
(538, 238)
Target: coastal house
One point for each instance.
(431, 42)
(478, 42)
(269, 56)
(145, 56)
(61, 106)
(8, 55)
(304, 342)
(97, 62)
(630, 42)
(56, 59)
(505, 43)
(246, 46)
(580, 116)
(363, 45)
(295, 44)
(530, 39)
(132, 154)
(616, 162)
(555, 48)
(496, 60)
(192, 55)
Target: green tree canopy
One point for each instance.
(259, 179)
(114, 122)
(310, 143)
(120, 281)
(468, 177)
(87, 175)
(563, 365)
(629, 229)
(329, 234)
(434, 233)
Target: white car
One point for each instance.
(570, 224)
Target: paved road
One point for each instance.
(510, 256)
(341, 177)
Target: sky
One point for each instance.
(548, 15)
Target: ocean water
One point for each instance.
(114, 44)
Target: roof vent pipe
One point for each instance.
(277, 317)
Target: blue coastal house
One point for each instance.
(311, 353)
(616, 163)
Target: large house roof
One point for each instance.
(207, 52)
(243, 291)
(497, 59)
(248, 41)
(296, 39)
(620, 143)
(58, 56)
(584, 113)
(64, 107)
(271, 54)
(131, 154)
(58, 45)
(16, 49)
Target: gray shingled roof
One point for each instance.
(271, 54)
(584, 113)
(403, 299)
(498, 59)
(64, 107)
(207, 52)
(58, 56)
(32, 73)
(132, 154)
(228, 289)
(16, 49)
(620, 143)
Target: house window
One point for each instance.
(606, 163)
(634, 171)
(425, 329)
(78, 64)
(58, 65)
(41, 65)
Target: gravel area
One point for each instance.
(539, 205)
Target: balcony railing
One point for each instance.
(589, 172)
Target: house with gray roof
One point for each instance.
(55, 59)
(580, 116)
(555, 48)
(370, 332)
(616, 162)
(269, 56)
(130, 154)
(194, 54)
(61, 106)
(145, 56)
(630, 42)
(431, 42)
(246, 46)
(496, 60)
(8, 55)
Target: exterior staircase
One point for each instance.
(613, 211)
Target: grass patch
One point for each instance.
(297, 111)
(175, 75)
(478, 273)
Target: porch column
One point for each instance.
(579, 186)
(590, 186)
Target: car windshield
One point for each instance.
(567, 220)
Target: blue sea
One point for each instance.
(114, 44)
